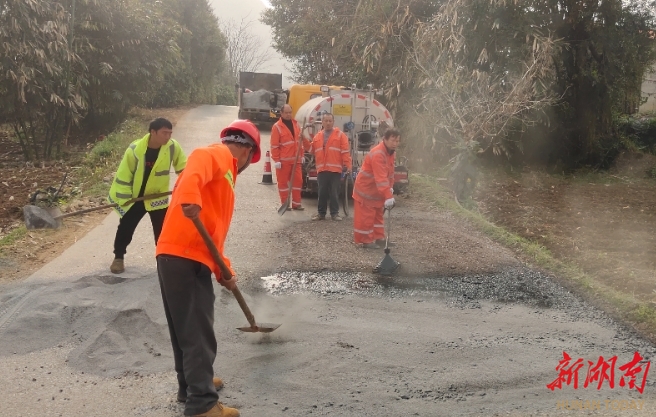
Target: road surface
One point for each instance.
(76, 340)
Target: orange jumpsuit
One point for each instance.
(284, 146)
(332, 156)
(208, 181)
(372, 187)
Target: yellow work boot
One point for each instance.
(182, 393)
(117, 266)
(220, 410)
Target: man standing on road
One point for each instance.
(332, 155)
(373, 192)
(144, 170)
(205, 190)
(285, 137)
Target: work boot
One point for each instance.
(318, 217)
(117, 266)
(336, 218)
(381, 242)
(182, 393)
(220, 410)
(371, 245)
(299, 208)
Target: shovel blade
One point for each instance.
(387, 266)
(38, 218)
(260, 328)
(283, 208)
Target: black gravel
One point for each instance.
(520, 285)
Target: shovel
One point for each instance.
(387, 265)
(288, 203)
(40, 218)
(349, 177)
(225, 271)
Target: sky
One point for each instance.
(252, 9)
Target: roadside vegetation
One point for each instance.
(73, 69)
(89, 173)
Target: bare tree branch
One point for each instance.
(245, 50)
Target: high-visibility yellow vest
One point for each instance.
(130, 174)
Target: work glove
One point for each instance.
(278, 165)
(392, 190)
(302, 159)
(389, 203)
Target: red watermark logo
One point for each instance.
(633, 376)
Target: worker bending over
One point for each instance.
(373, 192)
(205, 190)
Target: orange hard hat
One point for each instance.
(247, 127)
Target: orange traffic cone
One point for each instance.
(267, 177)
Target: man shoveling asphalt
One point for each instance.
(185, 265)
(373, 192)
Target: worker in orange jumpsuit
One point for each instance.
(332, 156)
(285, 149)
(204, 190)
(373, 192)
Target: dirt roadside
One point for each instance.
(604, 223)
(30, 251)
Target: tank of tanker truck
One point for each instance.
(361, 117)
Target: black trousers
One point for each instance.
(328, 184)
(188, 297)
(129, 223)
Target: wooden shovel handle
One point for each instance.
(225, 271)
(148, 197)
(75, 213)
(104, 206)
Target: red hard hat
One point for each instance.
(250, 129)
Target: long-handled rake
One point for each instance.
(387, 265)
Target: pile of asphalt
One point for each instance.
(116, 324)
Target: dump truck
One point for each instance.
(358, 114)
(260, 97)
